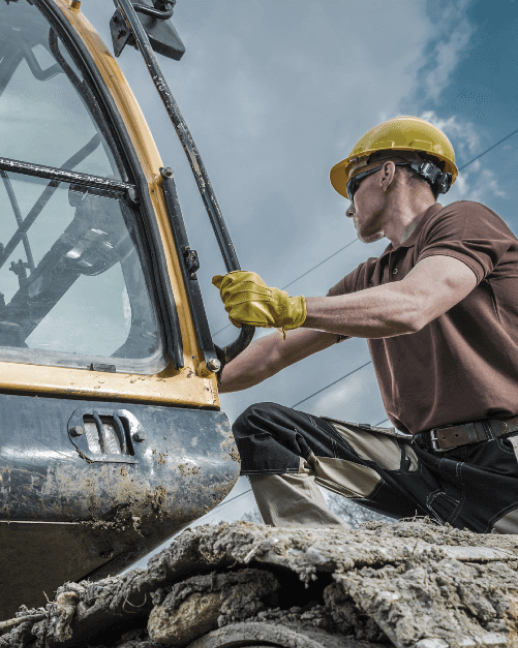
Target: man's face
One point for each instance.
(367, 209)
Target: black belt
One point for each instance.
(452, 436)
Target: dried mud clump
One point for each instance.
(199, 604)
(409, 584)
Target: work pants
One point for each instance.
(287, 454)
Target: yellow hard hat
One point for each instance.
(398, 134)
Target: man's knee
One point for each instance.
(267, 439)
(254, 416)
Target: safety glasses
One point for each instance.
(354, 183)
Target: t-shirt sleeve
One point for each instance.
(470, 232)
(348, 284)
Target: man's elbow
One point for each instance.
(410, 321)
(415, 320)
(394, 326)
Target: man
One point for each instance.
(440, 311)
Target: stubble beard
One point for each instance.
(368, 234)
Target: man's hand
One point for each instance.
(248, 300)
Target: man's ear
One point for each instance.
(386, 176)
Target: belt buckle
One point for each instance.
(434, 441)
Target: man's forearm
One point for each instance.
(269, 355)
(383, 311)
(251, 367)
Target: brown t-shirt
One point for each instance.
(462, 366)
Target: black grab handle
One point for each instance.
(233, 349)
(198, 169)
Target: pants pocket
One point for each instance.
(344, 477)
(443, 506)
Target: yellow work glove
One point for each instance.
(248, 300)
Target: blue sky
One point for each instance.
(481, 96)
(275, 93)
(482, 89)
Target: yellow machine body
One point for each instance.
(192, 385)
(99, 463)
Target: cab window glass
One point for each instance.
(46, 111)
(74, 288)
(72, 284)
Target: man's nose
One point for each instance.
(351, 211)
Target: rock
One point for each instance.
(201, 603)
(192, 619)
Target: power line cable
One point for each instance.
(333, 383)
(225, 502)
(321, 263)
(493, 146)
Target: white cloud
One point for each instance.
(476, 182)
(465, 135)
(446, 56)
(478, 185)
(275, 94)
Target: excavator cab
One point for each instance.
(111, 435)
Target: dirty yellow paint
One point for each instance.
(166, 387)
(193, 385)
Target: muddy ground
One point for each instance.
(408, 584)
